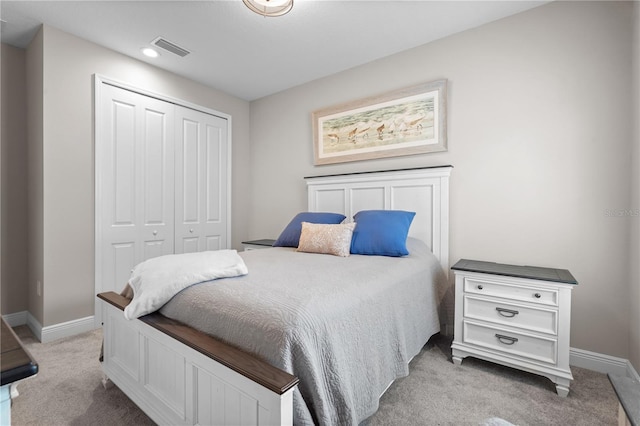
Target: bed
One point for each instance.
(329, 343)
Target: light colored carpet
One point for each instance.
(68, 391)
(437, 392)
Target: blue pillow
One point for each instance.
(290, 237)
(381, 232)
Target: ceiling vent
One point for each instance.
(170, 47)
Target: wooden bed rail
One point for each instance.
(241, 362)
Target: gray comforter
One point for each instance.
(346, 327)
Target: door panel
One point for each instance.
(121, 258)
(190, 171)
(155, 168)
(213, 243)
(136, 183)
(189, 245)
(215, 191)
(201, 171)
(154, 249)
(122, 173)
(213, 165)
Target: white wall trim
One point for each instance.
(66, 329)
(35, 326)
(52, 332)
(15, 319)
(602, 363)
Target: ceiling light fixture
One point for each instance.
(147, 51)
(269, 7)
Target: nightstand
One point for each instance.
(518, 316)
(257, 244)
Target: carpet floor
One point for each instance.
(68, 391)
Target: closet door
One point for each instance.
(201, 179)
(135, 183)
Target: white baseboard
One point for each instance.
(16, 319)
(66, 329)
(602, 363)
(52, 332)
(35, 326)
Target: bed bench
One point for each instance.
(265, 397)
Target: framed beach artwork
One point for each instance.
(403, 122)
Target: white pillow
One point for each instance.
(326, 239)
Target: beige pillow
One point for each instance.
(326, 239)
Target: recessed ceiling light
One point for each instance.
(147, 51)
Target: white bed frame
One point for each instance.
(175, 381)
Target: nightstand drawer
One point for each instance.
(496, 311)
(508, 342)
(523, 293)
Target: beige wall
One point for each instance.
(539, 135)
(13, 288)
(634, 319)
(68, 171)
(35, 173)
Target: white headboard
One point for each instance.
(424, 191)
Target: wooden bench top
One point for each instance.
(242, 362)
(15, 361)
(628, 393)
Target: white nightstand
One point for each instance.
(257, 244)
(517, 316)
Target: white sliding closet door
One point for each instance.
(136, 182)
(201, 179)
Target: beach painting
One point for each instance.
(404, 122)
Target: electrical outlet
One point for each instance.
(39, 288)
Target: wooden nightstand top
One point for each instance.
(531, 272)
(264, 242)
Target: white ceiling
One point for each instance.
(249, 56)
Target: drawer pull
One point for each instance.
(507, 313)
(480, 287)
(506, 340)
(537, 295)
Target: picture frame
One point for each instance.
(407, 121)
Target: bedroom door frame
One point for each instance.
(98, 137)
